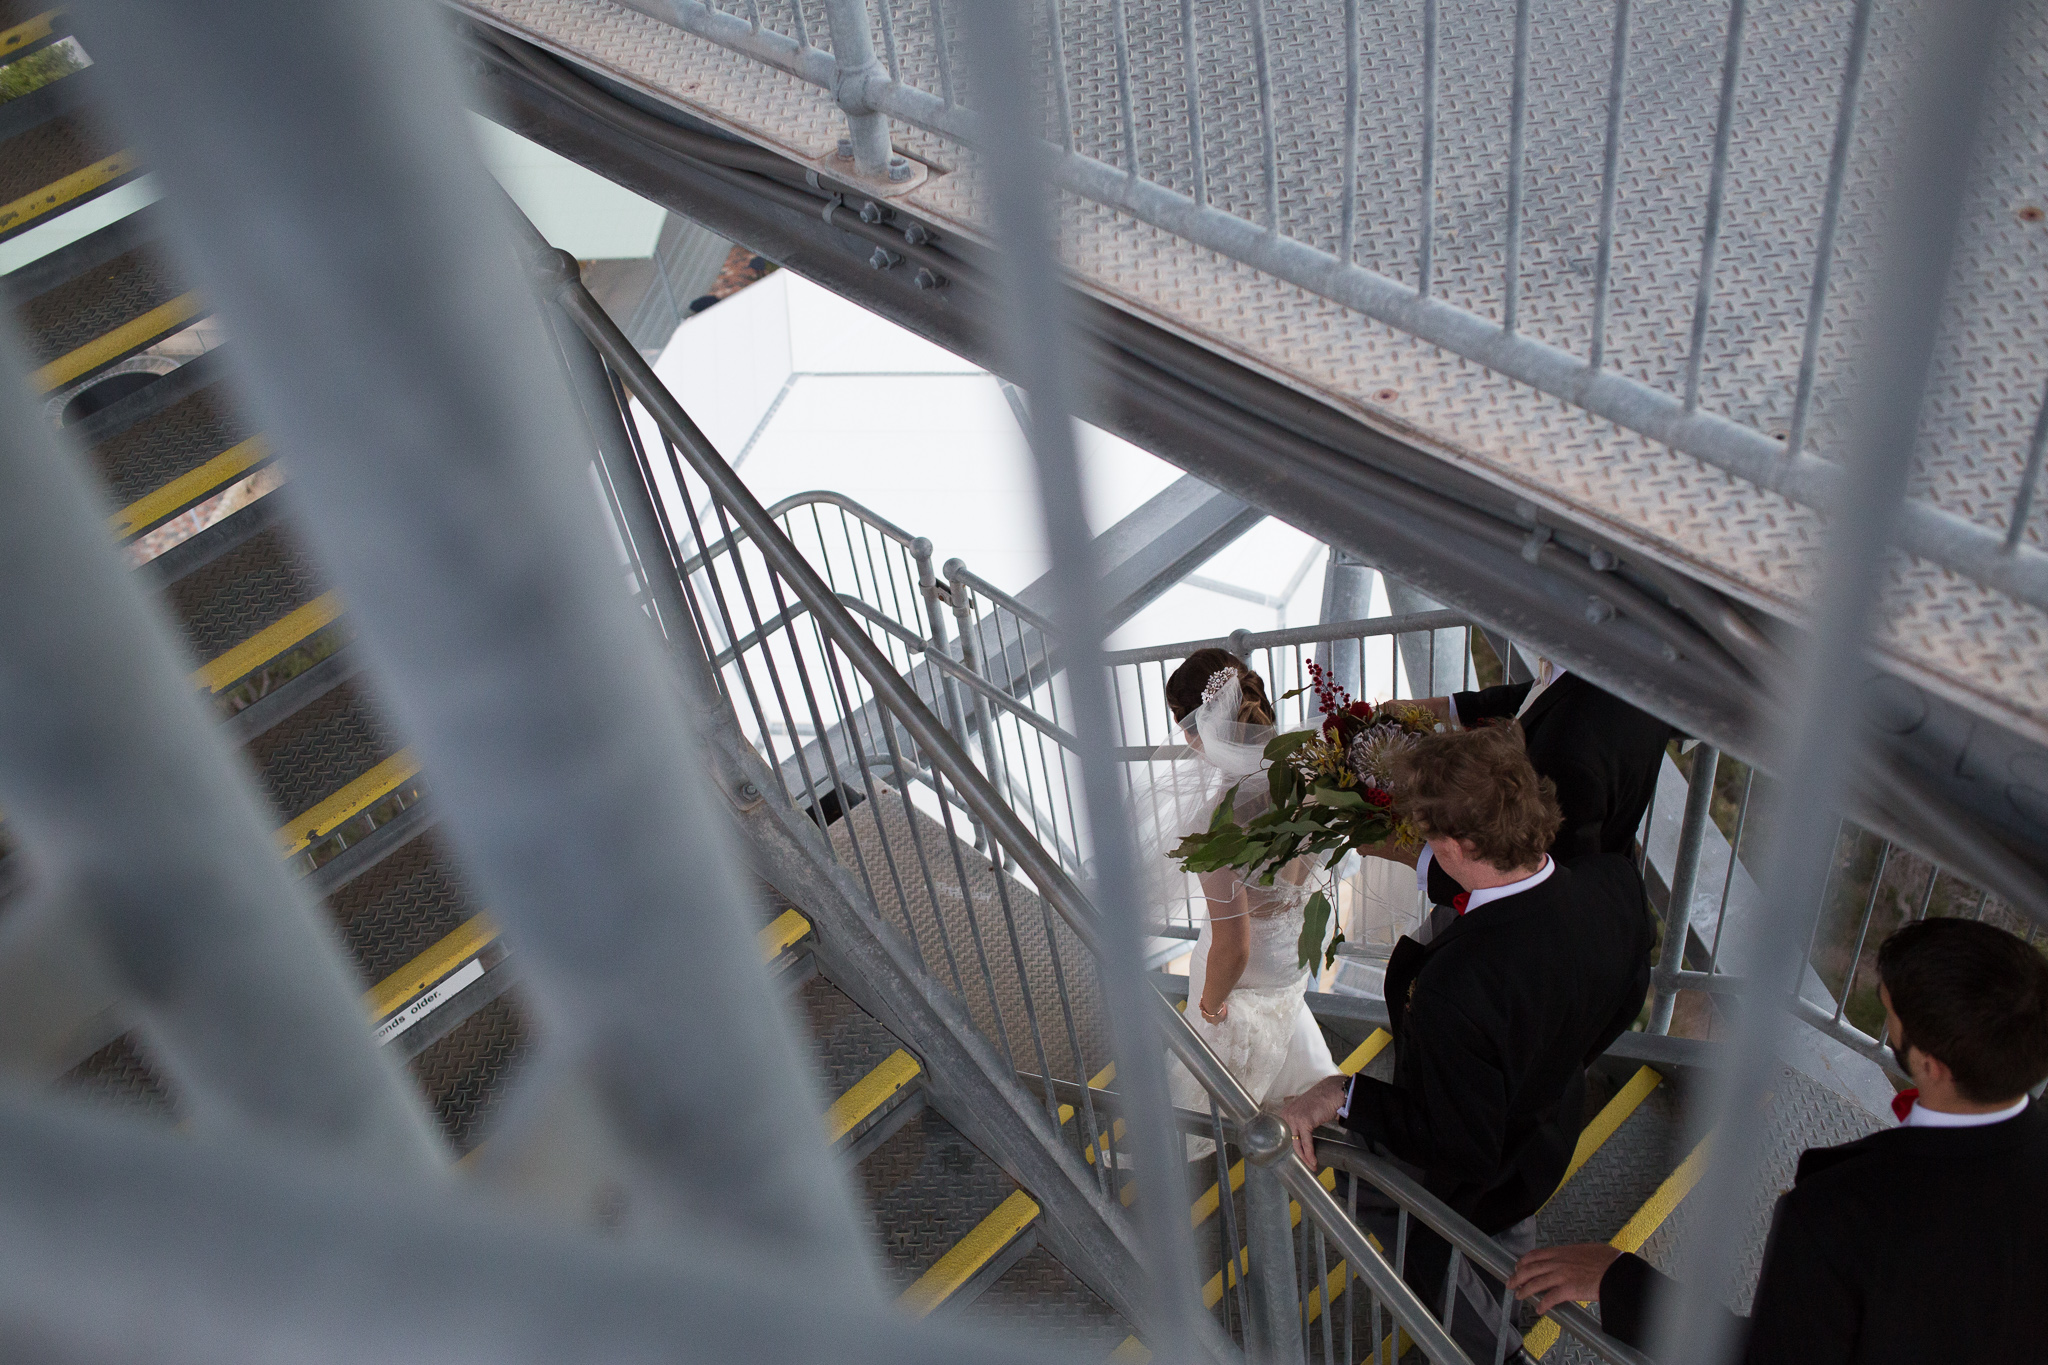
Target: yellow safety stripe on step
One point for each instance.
(186, 489)
(1610, 1118)
(777, 938)
(131, 335)
(1361, 1056)
(266, 644)
(464, 942)
(869, 1093)
(55, 195)
(1095, 1082)
(1131, 1352)
(1212, 1292)
(970, 1254)
(1636, 1231)
(27, 31)
(351, 801)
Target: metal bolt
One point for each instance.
(916, 235)
(883, 258)
(1601, 560)
(1525, 510)
(845, 150)
(1265, 1139)
(925, 279)
(899, 169)
(1599, 611)
(749, 792)
(1532, 548)
(871, 213)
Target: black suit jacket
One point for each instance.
(1494, 1023)
(1603, 754)
(1913, 1244)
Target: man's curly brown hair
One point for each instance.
(1477, 785)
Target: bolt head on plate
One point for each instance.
(899, 169)
(844, 151)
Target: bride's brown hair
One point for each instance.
(1184, 688)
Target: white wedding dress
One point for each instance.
(1268, 1039)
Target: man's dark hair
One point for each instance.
(1976, 999)
(1477, 785)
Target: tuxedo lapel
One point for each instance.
(1547, 700)
(1404, 964)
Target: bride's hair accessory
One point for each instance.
(1217, 682)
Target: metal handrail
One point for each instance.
(1267, 1141)
(1465, 1239)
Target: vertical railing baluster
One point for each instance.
(1610, 179)
(940, 47)
(2030, 478)
(1121, 35)
(1518, 120)
(1734, 861)
(1830, 214)
(1863, 931)
(1426, 257)
(796, 18)
(1063, 98)
(1710, 231)
(1191, 59)
(889, 40)
(1268, 147)
(1348, 232)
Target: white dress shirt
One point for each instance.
(1921, 1117)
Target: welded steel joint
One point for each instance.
(1265, 1139)
(856, 70)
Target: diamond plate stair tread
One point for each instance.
(48, 152)
(1621, 1176)
(402, 906)
(1044, 1302)
(1976, 647)
(60, 320)
(120, 1074)
(146, 456)
(254, 585)
(467, 1072)
(319, 750)
(1001, 1015)
(925, 1189)
(1803, 1114)
(846, 1040)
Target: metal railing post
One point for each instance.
(856, 65)
(1685, 876)
(937, 600)
(1273, 1313)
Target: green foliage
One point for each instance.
(31, 73)
(1315, 922)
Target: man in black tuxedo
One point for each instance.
(1496, 1019)
(1603, 754)
(1928, 1241)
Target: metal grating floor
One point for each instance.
(1977, 647)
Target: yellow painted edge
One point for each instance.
(1610, 1118)
(1102, 1142)
(895, 1071)
(28, 31)
(1211, 1199)
(1636, 1231)
(1330, 1289)
(190, 487)
(130, 335)
(1102, 1077)
(55, 195)
(462, 943)
(267, 643)
(1131, 1352)
(351, 801)
(1213, 1290)
(1362, 1056)
(969, 1254)
(776, 939)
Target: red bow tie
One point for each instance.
(1902, 1103)
(1458, 901)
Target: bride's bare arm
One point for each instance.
(1230, 942)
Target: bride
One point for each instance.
(1246, 984)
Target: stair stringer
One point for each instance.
(969, 1083)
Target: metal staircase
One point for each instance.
(914, 882)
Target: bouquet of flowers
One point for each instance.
(1331, 793)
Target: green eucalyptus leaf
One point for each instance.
(1315, 922)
